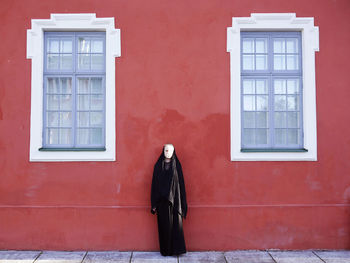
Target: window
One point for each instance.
(74, 92)
(273, 102)
(73, 87)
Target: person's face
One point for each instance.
(168, 151)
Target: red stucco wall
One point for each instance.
(172, 85)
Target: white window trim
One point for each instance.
(310, 44)
(35, 52)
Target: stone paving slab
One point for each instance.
(61, 257)
(305, 256)
(205, 257)
(140, 257)
(339, 256)
(15, 256)
(248, 256)
(107, 257)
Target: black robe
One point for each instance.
(168, 198)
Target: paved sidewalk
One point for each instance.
(238, 256)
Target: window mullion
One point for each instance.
(271, 93)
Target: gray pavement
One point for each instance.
(237, 256)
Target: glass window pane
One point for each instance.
(53, 102)
(66, 119)
(293, 86)
(52, 45)
(292, 45)
(66, 46)
(261, 120)
(83, 119)
(83, 85)
(66, 61)
(261, 136)
(96, 136)
(293, 119)
(292, 136)
(84, 61)
(65, 136)
(53, 85)
(293, 102)
(83, 102)
(52, 136)
(97, 61)
(280, 119)
(97, 102)
(279, 45)
(248, 86)
(84, 45)
(66, 102)
(97, 46)
(262, 102)
(279, 62)
(280, 102)
(248, 103)
(292, 62)
(261, 62)
(52, 61)
(52, 119)
(96, 85)
(83, 136)
(248, 136)
(66, 85)
(248, 62)
(280, 136)
(249, 120)
(96, 118)
(279, 86)
(248, 45)
(261, 45)
(261, 87)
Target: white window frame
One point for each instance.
(35, 52)
(310, 44)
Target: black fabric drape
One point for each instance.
(168, 200)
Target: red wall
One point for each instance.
(172, 85)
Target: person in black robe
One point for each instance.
(168, 201)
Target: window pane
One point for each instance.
(261, 62)
(83, 85)
(52, 136)
(279, 86)
(293, 102)
(261, 87)
(84, 45)
(261, 102)
(65, 136)
(293, 86)
(261, 120)
(66, 119)
(52, 45)
(52, 61)
(292, 136)
(96, 85)
(292, 45)
(248, 45)
(52, 119)
(66, 102)
(53, 85)
(248, 103)
(96, 136)
(280, 102)
(279, 45)
(83, 136)
(97, 102)
(97, 61)
(84, 61)
(280, 136)
(279, 62)
(261, 136)
(66, 46)
(83, 102)
(66, 61)
(261, 45)
(249, 120)
(292, 62)
(53, 102)
(280, 119)
(293, 119)
(66, 85)
(83, 119)
(248, 136)
(248, 62)
(96, 118)
(248, 86)
(97, 46)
